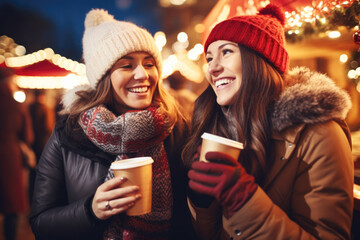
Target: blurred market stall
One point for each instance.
(46, 70)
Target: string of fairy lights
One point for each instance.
(323, 17)
(328, 18)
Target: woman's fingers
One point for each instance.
(115, 211)
(209, 168)
(118, 205)
(201, 188)
(103, 192)
(121, 192)
(112, 183)
(220, 157)
(203, 178)
(111, 198)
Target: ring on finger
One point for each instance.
(107, 206)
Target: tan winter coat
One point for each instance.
(308, 192)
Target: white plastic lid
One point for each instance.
(222, 140)
(131, 163)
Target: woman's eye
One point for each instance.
(126, 66)
(209, 59)
(226, 51)
(149, 65)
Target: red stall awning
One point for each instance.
(42, 68)
(45, 69)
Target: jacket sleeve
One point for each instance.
(207, 222)
(52, 216)
(321, 202)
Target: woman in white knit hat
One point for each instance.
(124, 112)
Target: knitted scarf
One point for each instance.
(135, 133)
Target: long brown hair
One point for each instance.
(103, 94)
(261, 85)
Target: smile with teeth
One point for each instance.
(223, 82)
(138, 89)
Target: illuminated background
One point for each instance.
(320, 36)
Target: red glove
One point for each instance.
(223, 178)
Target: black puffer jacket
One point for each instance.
(68, 174)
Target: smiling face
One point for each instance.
(133, 79)
(225, 71)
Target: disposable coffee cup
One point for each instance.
(138, 171)
(214, 143)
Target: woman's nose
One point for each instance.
(214, 67)
(140, 73)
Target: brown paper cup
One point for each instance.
(211, 143)
(138, 171)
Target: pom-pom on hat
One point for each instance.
(106, 40)
(263, 33)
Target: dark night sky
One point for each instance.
(59, 24)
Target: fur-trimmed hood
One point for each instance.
(309, 97)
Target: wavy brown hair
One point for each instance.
(103, 94)
(260, 87)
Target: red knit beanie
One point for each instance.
(263, 33)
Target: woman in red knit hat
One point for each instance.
(294, 177)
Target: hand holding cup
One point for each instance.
(118, 198)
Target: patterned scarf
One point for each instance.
(135, 133)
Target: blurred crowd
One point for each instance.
(25, 129)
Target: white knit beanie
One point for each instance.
(106, 40)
